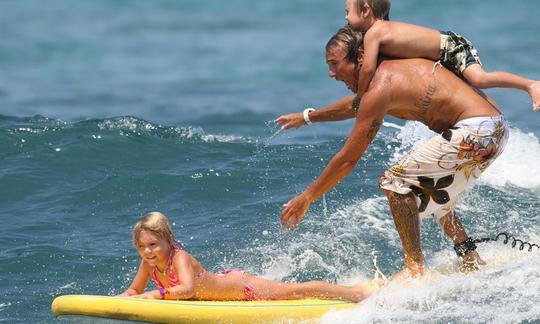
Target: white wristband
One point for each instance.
(306, 115)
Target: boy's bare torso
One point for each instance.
(404, 40)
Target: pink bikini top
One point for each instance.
(171, 276)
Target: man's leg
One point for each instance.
(454, 229)
(405, 213)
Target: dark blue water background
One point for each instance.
(110, 109)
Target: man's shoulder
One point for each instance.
(390, 66)
(386, 68)
(395, 74)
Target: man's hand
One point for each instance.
(291, 120)
(294, 211)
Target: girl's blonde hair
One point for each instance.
(156, 223)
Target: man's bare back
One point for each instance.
(424, 92)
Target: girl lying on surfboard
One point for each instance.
(178, 275)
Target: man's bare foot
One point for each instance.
(367, 288)
(406, 274)
(534, 92)
(471, 261)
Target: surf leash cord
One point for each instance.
(507, 238)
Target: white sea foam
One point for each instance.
(504, 291)
(132, 126)
(344, 234)
(518, 165)
(68, 286)
(372, 213)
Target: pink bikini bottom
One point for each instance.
(248, 289)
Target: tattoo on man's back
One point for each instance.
(425, 102)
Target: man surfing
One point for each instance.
(472, 133)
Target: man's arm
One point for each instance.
(340, 110)
(368, 123)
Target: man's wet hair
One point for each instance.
(349, 39)
(380, 8)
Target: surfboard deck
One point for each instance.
(168, 311)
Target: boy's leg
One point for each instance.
(534, 92)
(454, 229)
(407, 221)
(479, 78)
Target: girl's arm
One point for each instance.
(183, 270)
(139, 282)
(372, 41)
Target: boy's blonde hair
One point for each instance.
(156, 223)
(380, 8)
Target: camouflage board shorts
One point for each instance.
(439, 170)
(457, 53)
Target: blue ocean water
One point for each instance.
(110, 109)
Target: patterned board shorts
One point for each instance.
(439, 170)
(457, 53)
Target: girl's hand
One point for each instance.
(129, 292)
(148, 295)
(291, 120)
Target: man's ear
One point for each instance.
(360, 57)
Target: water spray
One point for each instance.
(379, 275)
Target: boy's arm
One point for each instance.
(344, 108)
(372, 41)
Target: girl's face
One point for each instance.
(153, 249)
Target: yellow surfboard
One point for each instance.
(167, 311)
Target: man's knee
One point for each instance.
(444, 217)
(397, 198)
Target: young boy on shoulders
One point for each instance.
(402, 40)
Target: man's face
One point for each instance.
(342, 69)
